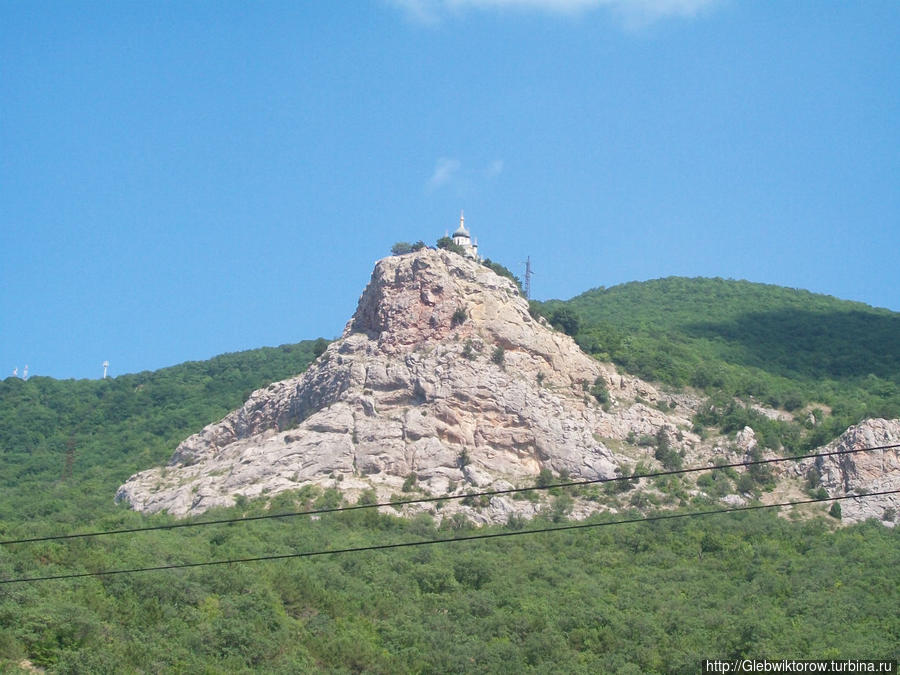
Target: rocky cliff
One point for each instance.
(442, 373)
(443, 383)
(860, 473)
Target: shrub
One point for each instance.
(459, 317)
(600, 392)
(536, 310)
(319, 347)
(447, 244)
(410, 482)
(367, 498)
(745, 484)
(566, 320)
(468, 351)
(835, 510)
(670, 458)
(503, 272)
(544, 478)
(499, 356)
(401, 248)
(562, 506)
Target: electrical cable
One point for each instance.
(425, 500)
(429, 542)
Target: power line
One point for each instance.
(428, 542)
(426, 500)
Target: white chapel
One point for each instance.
(464, 240)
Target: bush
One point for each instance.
(503, 272)
(447, 244)
(536, 310)
(404, 247)
(410, 482)
(670, 458)
(544, 478)
(468, 351)
(499, 356)
(367, 498)
(835, 510)
(562, 506)
(600, 392)
(463, 460)
(566, 320)
(319, 347)
(459, 317)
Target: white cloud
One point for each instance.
(634, 11)
(493, 169)
(419, 11)
(444, 170)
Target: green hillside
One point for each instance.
(782, 347)
(66, 445)
(648, 598)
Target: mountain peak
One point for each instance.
(441, 372)
(444, 383)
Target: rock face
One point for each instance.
(441, 372)
(444, 382)
(861, 473)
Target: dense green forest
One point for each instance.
(640, 598)
(781, 347)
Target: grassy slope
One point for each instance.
(628, 599)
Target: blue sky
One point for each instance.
(183, 179)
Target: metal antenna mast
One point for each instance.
(528, 275)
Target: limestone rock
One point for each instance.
(411, 387)
(863, 472)
(442, 372)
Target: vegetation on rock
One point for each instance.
(404, 247)
(447, 244)
(769, 345)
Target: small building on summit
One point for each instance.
(464, 240)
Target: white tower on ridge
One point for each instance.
(463, 239)
(105, 368)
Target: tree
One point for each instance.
(566, 320)
(503, 271)
(835, 510)
(600, 392)
(544, 478)
(401, 248)
(447, 244)
(319, 347)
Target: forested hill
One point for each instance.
(77, 440)
(782, 346)
(735, 586)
